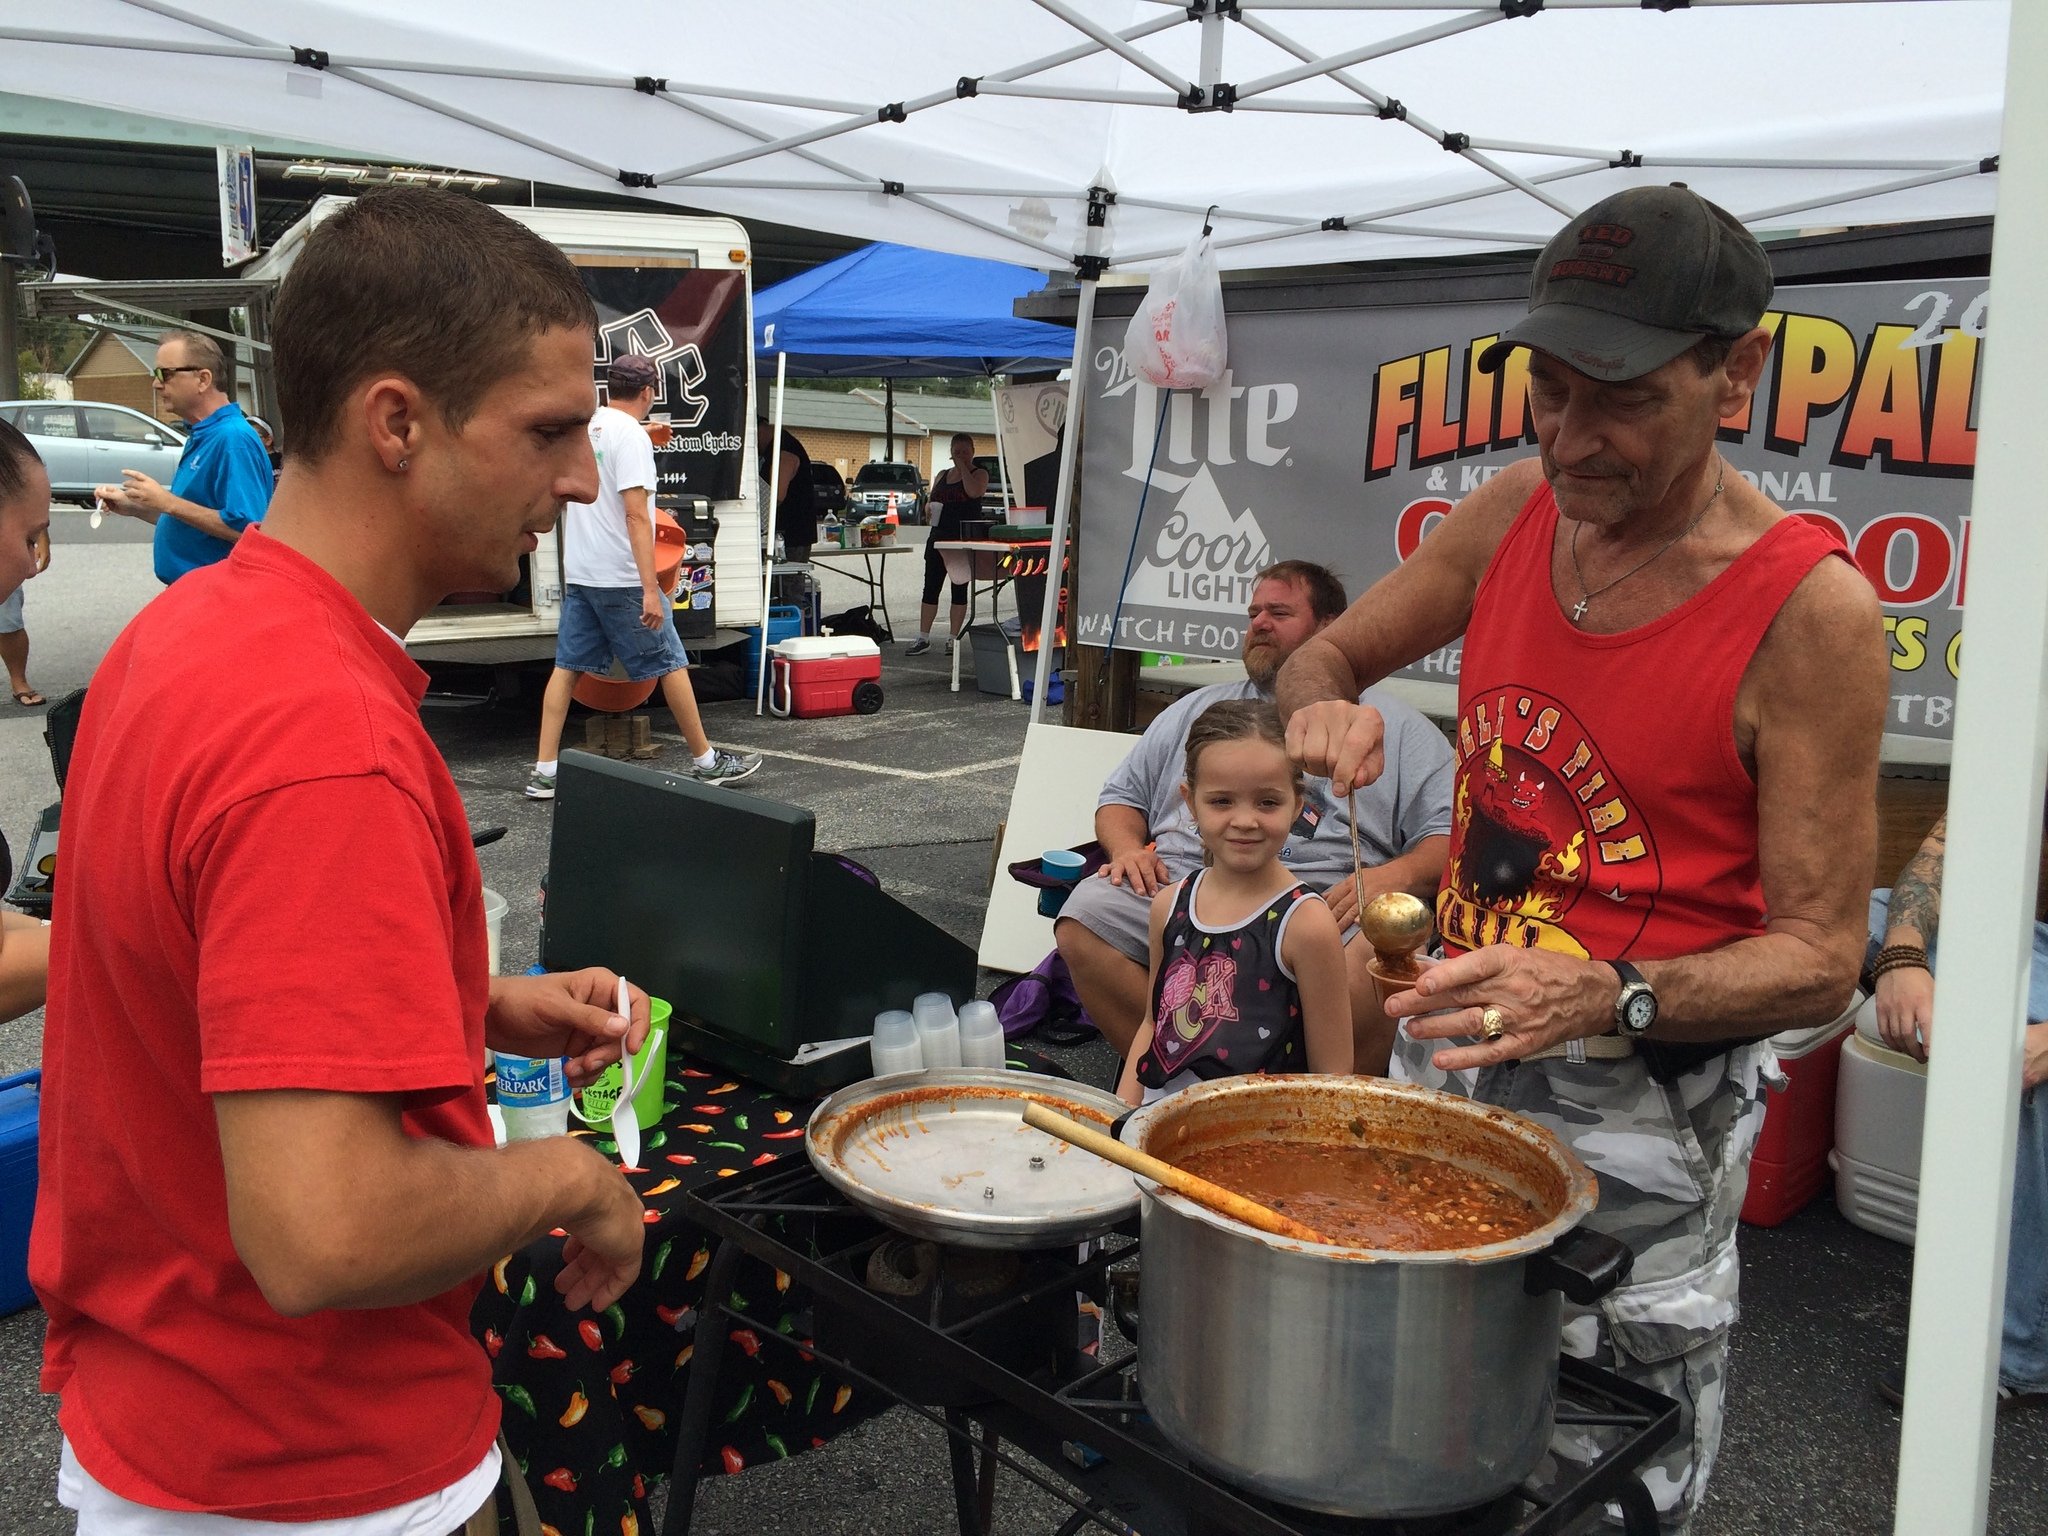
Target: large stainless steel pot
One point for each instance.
(1348, 1381)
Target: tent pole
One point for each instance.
(768, 529)
(1063, 500)
(889, 420)
(1002, 458)
(1994, 830)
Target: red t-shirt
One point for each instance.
(268, 884)
(1601, 807)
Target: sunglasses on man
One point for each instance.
(163, 375)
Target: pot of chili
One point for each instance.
(1407, 1367)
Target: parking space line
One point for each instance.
(887, 771)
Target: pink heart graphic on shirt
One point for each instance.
(1265, 985)
(1223, 1055)
(1237, 943)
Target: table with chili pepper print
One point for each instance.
(589, 1399)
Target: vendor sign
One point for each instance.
(1343, 435)
(693, 324)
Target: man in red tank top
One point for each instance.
(1670, 704)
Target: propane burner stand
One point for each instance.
(1083, 1440)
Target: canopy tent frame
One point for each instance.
(1211, 94)
(1999, 753)
(1999, 767)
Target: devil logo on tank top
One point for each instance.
(1539, 824)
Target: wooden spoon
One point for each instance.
(1225, 1202)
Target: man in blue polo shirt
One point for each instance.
(224, 478)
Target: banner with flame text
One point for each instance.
(1343, 435)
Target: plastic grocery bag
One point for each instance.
(1176, 338)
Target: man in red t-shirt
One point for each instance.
(1671, 696)
(268, 1179)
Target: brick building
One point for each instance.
(845, 429)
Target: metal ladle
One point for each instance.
(1225, 1202)
(1396, 924)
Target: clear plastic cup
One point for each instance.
(981, 1036)
(894, 1045)
(494, 925)
(938, 1029)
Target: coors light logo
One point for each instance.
(1197, 552)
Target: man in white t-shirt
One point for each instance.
(612, 607)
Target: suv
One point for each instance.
(881, 486)
(996, 499)
(84, 443)
(827, 489)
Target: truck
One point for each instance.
(677, 289)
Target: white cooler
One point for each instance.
(1880, 1104)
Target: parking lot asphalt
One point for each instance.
(916, 793)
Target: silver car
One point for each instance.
(85, 443)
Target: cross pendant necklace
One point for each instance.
(1586, 594)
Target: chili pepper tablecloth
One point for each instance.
(590, 1401)
(589, 1398)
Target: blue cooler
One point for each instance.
(20, 1096)
(784, 623)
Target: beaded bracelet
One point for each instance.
(1899, 957)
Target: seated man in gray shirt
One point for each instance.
(1142, 821)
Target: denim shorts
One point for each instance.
(600, 624)
(11, 620)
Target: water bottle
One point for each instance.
(893, 1046)
(981, 1036)
(938, 1030)
(533, 1096)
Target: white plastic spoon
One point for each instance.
(625, 1124)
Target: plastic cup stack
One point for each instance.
(981, 1036)
(894, 1047)
(938, 1029)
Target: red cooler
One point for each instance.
(824, 675)
(1791, 1160)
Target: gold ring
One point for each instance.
(1492, 1023)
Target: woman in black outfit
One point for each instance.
(957, 493)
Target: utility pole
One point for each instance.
(10, 334)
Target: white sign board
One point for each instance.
(236, 165)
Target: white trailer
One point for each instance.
(641, 270)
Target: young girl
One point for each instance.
(1247, 965)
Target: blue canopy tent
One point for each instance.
(887, 311)
(891, 312)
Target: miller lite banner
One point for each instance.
(1343, 435)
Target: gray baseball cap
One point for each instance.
(629, 373)
(1635, 280)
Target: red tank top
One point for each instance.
(1601, 808)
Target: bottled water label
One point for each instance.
(531, 1082)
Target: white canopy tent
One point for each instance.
(1096, 133)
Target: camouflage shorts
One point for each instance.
(1672, 1163)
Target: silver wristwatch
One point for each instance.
(1635, 1011)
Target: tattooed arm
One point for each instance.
(1916, 894)
(1905, 997)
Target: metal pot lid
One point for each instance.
(945, 1154)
